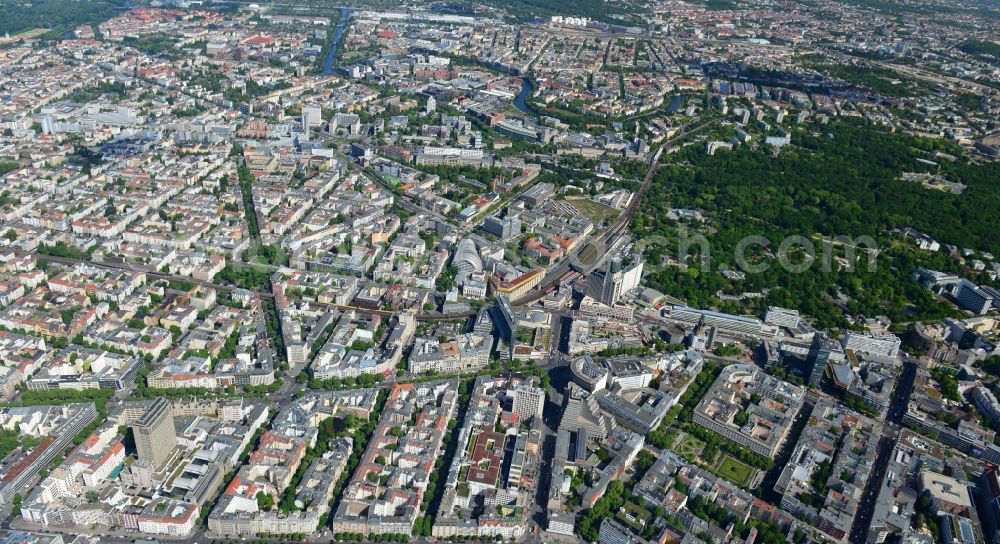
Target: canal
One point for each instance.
(521, 101)
(676, 103)
(345, 15)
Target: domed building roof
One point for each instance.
(467, 258)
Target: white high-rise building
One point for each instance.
(311, 117)
(986, 402)
(528, 401)
(608, 285)
(155, 435)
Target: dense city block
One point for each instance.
(537, 271)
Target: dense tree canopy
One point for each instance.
(56, 15)
(841, 181)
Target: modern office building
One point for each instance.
(528, 401)
(884, 344)
(590, 307)
(781, 317)
(484, 321)
(628, 373)
(504, 318)
(588, 374)
(640, 410)
(986, 402)
(155, 436)
(609, 284)
(311, 117)
(735, 325)
(820, 352)
(560, 523)
(584, 416)
(978, 299)
(947, 493)
(503, 228)
(452, 156)
(612, 532)
(538, 194)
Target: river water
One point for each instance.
(345, 15)
(521, 101)
(676, 103)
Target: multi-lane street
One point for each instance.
(897, 407)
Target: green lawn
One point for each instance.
(733, 469)
(595, 211)
(29, 34)
(690, 447)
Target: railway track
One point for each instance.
(569, 265)
(595, 250)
